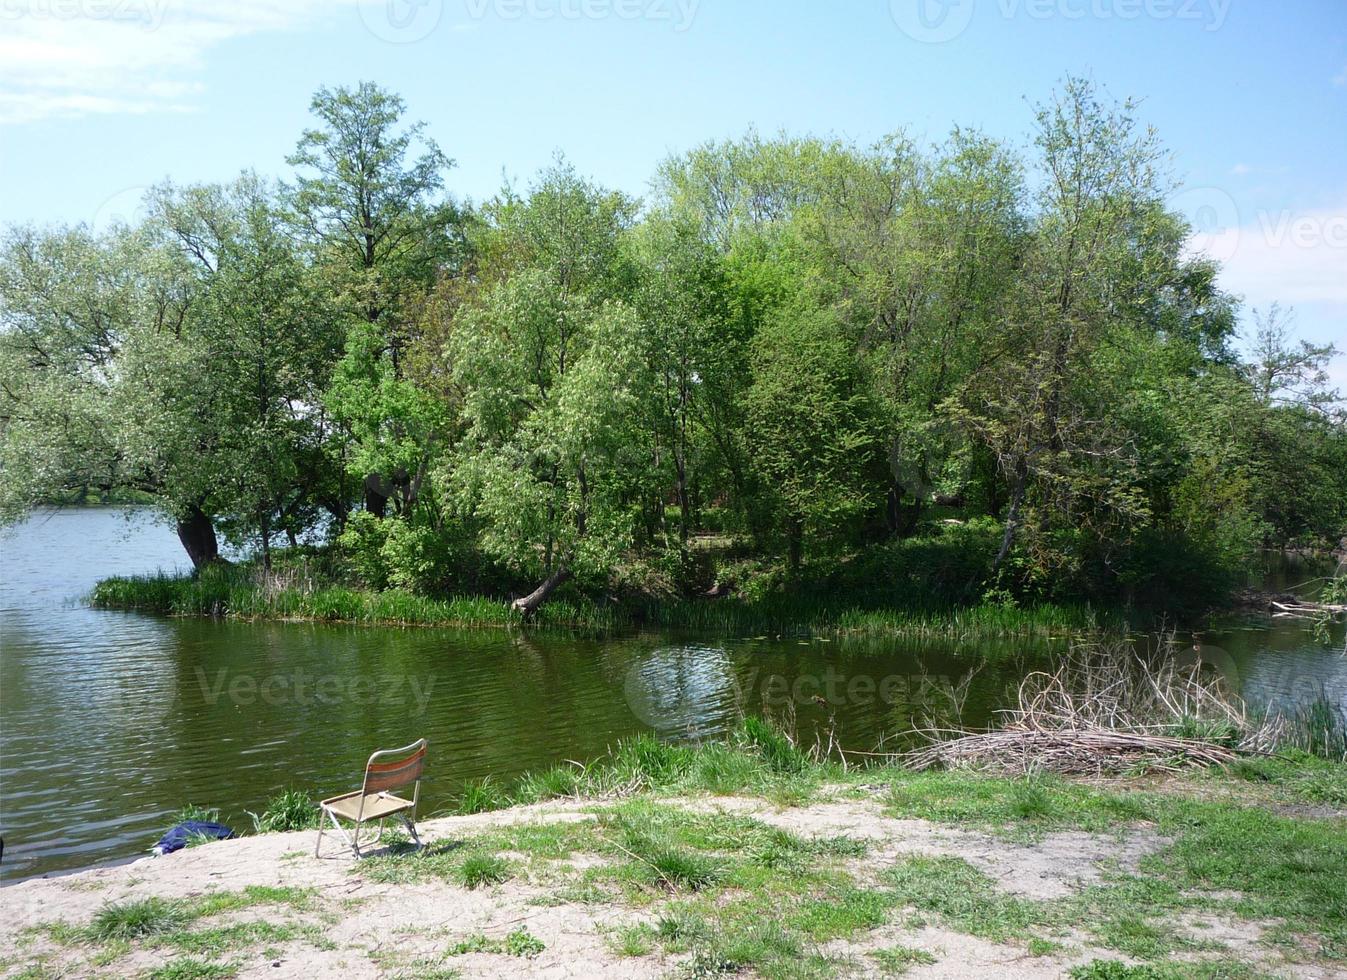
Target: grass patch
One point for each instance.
(137, 919)
(1022, 804)
(633, 940)
(897, 960)
(290, 810)
(190, 968)
(477, 870)
(482, 796)
(235, 591)
(966, 899)
(520, 943)
(217, 940)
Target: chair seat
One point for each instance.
(377, 806)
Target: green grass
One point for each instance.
(482, 795)
(290, 810)
(173, 923)
(1297, 776)
(217, 940)
(633, 940)
(190, 968)
(897, 960)
(554, 783)
(520, 943)
(477, 870)
(192, 812)
(965, 898)
(137, 919)
(232, 591)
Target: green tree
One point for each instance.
(550, 369)
(812, 426)
(366, 200)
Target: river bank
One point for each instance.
(725, 859)
(236, 593)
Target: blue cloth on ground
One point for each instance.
(177, 838)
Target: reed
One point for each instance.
(238, 592)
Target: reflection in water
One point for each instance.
(680, 689)
(110, 722)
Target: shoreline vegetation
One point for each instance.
(754, 856)
(237, 592)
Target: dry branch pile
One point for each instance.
(1107, 710)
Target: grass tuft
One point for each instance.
(477, 870)
(133, 920)
(290, 810)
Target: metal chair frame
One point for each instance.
(380, 777)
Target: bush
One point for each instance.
(776, 749)
(361, 543)
(482, 869)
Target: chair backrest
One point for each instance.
(390, 769)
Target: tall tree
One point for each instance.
(366, 199)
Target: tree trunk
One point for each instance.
(1012, 516)
(197, 535)
(684, 504)
(529, 604)
(376, 501)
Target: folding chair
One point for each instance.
(387, 769)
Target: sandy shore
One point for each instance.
(355, 926)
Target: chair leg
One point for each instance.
(411, 829)
(319, 843)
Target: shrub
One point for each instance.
(772, 744)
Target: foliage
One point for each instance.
(871, 383)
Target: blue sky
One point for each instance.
(100, 98)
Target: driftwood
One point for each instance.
(1302, 609)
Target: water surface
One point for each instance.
(110, 721)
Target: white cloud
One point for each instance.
(1340, 79)
(1288, 257)
(1297, 259)
(80, 57)
(1240, 169)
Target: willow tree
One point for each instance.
(93, 329)
(259, 345)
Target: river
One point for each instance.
(110, 722)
